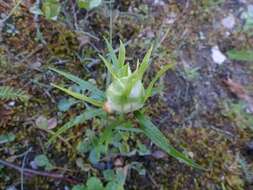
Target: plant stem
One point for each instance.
(29, 172)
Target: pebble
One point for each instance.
(229, 22)
(159, 2)
(12, 103)
(217, 55)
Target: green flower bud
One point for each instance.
(126, 92)
(122, 102)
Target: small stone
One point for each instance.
(191, 154)
(217, 55)
(12, 103)
(159, 2)
(33, 165)
(159, 154)
(52, 123)
(229, 22)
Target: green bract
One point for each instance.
(119, 102)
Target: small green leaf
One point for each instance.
(122, 54)
(85, 85)
(51, 9)
(88, 4)
(94, 155)
(109, 175)
(79, 187)
(113, 185)
(112, 54)
(7, 138)
(42, 161)
(120, 176)
(65, 104)
(144, 64)
(94, 183)
(240, 55)
(155, 135)
(80, 96)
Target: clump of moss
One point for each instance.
(216, 152)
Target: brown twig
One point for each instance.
(29, 172)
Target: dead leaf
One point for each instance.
(238, 90)
(83, 40)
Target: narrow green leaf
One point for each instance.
(80, 119)
(94, 183)
(144, 64)
(155, 135)
(6, 138)
(240, 55)
(80, 96)
(109, 67)
(122, 55)
(133, 79)
(85, 85)
(158, 75)
(125, 71)
(112, 53)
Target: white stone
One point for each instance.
(159, 2)
(217, 55)
(228, 22)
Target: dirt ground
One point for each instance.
(205, 108)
